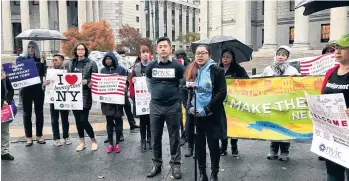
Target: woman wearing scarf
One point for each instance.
(211, 90)
(144, 120)
(82, 64)
(280, 67)
(34, 93)
(235, 71)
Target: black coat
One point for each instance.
(235, 71)
(216, 106)
(7, 91)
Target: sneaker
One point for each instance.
(117, 149)
(110, 149)
(57, 143)
(283, 157)
(272, 156)
(67, 141)
(235, 153)
(7, 156)
(94, 147)
(81, 147)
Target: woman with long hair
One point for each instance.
(82, 64)
(139, 71)
(210, 93)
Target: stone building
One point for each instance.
(268, 24)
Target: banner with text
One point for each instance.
(108, 88)
(68, 91)
(50, 88)
(142, 96)
(22, 74)
(316, 65)
(270, 108)
(330, 127)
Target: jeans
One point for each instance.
(82, 124)
(284, 147)
(55, 123)
(111, 123)
(5, 137)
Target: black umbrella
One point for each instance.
(242, 52)
(313, 6)
(41, 34)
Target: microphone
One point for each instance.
(190, 84)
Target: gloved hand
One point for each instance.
(191, 110)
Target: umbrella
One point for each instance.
(41, 34)
(242, 52)
(313, 6)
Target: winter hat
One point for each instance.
(285, 50)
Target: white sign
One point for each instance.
(163, 73)
(317, 65)
(330, 127)
(108, 88)
(142, 96)
(68, 90)
(50, 88)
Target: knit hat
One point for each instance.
(284, 51)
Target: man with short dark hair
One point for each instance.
(164, 77)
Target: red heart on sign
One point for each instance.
(71, 79)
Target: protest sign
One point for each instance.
(8, 112)
(142, 96)
(22, 74)
(330, 127)
(108, 88)
(50, 88)
(317, 65)
(270, 108)
(68, 91)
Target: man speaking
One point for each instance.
(164, 77)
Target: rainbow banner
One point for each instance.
(270, 108)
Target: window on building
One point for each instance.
(180, 19)
(262, 7)
(137, 7)
(173, 35)
(147, 19)
(292, 4)
(138, 29)
(137, 19)
(194, 17)
(35, 2)
(156, 19)
(325, 32)
(16, 3)
(262, 36)
(291, 35)
(187, 20)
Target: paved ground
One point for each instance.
(48, 163)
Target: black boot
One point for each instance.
(143, 146)
(190, 151)
(7, 156)
(214, 177)
(149, 144)
(155, 170)
(176, 172)
(224, 147)
(203, 176)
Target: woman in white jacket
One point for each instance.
(280, 67)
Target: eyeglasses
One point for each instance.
(201, 53)
(80, 49)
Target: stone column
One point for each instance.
(25, 20)
(81, 13)
(152, 19)
(184, 20)
(191, 11)
(177, 22)
(216, 17)
(161, 18)
(7, 36)
(96, 10)
(338, 23)
(270, 25)
(89, 12)
(43, 6)
(243, 22)
(301, 29)
(169, 20)
(63, 16)
(143, 19)
(197, 23)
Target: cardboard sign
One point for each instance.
(108, 88)
(50, 88)
(142, 96)
(68, 91)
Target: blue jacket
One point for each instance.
(114, 68)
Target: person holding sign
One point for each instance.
(165, 105)
(34, 93)
(7, 93)
(82, 64)
(113, 112)
(144, 120)
(57, 62)
(209, 94)
(337, 81)
(280, 67)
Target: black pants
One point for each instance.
(82, 124)
(284, 147)
(55, 123)
(144, 123)
(233, 143)
(189, 129)
(158, 115)
(205, 131)
(29, 95)
(111, 123)
(128, 111)
(336, 172)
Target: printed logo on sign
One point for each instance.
(332, 152)
(163, 73)
(101, 98)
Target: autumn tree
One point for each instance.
(132, 39)
(98, 36)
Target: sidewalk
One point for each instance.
(49, 163)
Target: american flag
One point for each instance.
(120, 87)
